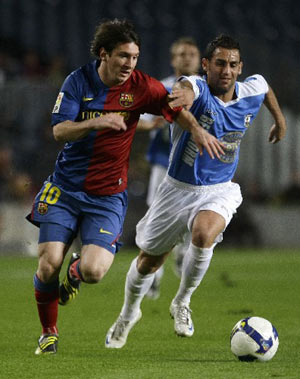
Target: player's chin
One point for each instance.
(223, 89)
(124, 76)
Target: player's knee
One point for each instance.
(203, 238)
(147, 264)
(48, 270)
(93, 273)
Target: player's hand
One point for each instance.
(277, 132)
(207, 141)
(110, 120)
(181, 97)
(201, 137)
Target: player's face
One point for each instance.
(116, 67)
(186, 60)
(222, 71)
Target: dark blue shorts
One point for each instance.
(98, 219)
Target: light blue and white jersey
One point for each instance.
(226, 121)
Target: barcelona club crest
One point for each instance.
(126, 99)
(42, 208)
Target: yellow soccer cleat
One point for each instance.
(47, 344)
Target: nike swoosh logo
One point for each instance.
(87, 98)
(104, 231)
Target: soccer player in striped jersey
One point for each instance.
(95, 114)
(197, 195)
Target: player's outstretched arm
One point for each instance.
(278, 129)
(156, 122)
(200, 136)
(183, 96)
(73, 131)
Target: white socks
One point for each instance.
(136, 287)
(195, 264)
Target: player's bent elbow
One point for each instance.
(57, 133)
(62, 132)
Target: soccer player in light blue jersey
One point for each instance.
(185, 60)
(197, 195)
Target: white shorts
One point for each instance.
(157, 175)
(174, 208)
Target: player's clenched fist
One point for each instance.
(110, 120)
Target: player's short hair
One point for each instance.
(182, 41)
(224, 41)
(110, 33)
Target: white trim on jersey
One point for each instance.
(252, 86)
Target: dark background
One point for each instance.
(41, 41)
(269, 32)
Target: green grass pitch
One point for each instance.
(238, 284)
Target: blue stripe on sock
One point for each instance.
(45, 287)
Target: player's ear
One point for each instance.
(103, 54)
(204, 62)
(241, 67)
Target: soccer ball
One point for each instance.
(254, 338)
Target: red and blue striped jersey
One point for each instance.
(98, 163)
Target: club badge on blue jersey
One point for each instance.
(42, 208)
(126, 99)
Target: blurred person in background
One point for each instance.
(197, 195)
(95, 114)
(6, 171)
(185, 60)
(16, 192)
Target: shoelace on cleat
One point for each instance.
(183, 314)
(120, 328)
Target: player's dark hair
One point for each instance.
(224, 41)
(111, 33)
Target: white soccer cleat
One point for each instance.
(183, 324)
(117, 335)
